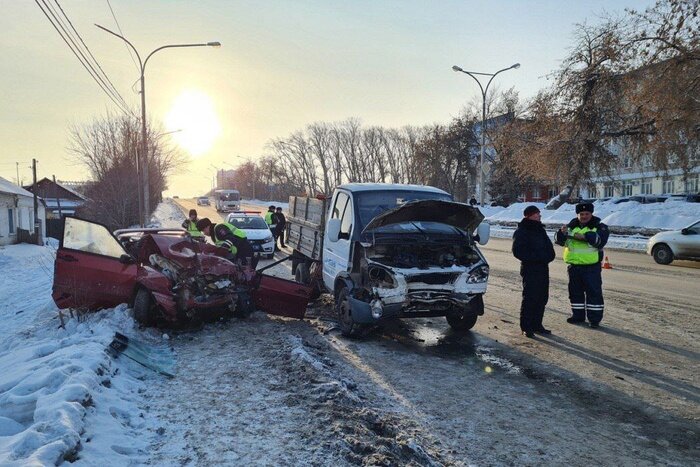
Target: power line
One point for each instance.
(120, 32)
(91, 55)
(90, 71)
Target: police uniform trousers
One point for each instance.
(586, 292)
(535, 295)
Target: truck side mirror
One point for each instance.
(483, 233)
(333, 230)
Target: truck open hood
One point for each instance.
(458, 215)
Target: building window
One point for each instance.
(691, 185)
(553, 191)
(627, 189)
(669, 187)
(592, 192)
(11, 219)
(536, 192)
(646, 187)
(627, 161)
(608, 190)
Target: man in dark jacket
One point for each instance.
(583, 240)
(279, 221)
(534, 249)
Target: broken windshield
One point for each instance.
(372, 203)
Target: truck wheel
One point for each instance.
(662, 254)
(462, 321)
(348, 327)
(302, 274)
(143, 308)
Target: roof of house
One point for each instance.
(7, 186)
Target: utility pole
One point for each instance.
(58, 200)
(36, 204)
(19, 183)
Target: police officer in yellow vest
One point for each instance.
(190, 224)
(229, 237)
(583, 240)
(269, 217)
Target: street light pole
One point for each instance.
(484, 90)
(145, 183)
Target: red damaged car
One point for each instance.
(164, 274)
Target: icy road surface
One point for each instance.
(272, 391)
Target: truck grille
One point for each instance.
(434, 278)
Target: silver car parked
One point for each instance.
(676, 244)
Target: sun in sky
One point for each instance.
(193, 119)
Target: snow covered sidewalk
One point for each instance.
(61, 396)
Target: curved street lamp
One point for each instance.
(144, 146)
(484, 90)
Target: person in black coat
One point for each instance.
(534, 249)
(280, 221)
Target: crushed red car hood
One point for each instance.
(186, 253)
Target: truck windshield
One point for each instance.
(235, 196)
(370, 204)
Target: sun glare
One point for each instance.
(193, 120)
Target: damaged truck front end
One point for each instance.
(420, 260)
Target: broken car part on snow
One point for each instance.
(164, 274)
(389, 250)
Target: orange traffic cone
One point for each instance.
(606, 264)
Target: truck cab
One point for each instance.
(391, 250)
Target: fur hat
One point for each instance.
(580, 207)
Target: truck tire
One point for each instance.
(465, 319)
(462, 321)
(348, 327)
(143, 307)
(302, 274)
(662, 254)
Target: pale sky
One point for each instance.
(282, 65)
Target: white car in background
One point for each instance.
(256, 229)
(676, 244)
(203, 201)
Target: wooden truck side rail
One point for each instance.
(306, 221)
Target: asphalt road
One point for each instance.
(647, 347)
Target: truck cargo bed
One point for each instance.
(306, 221)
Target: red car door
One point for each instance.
(92, 270)
(281, 297)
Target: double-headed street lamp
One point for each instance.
(484, 90)
(144, 146)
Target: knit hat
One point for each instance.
(193, 212)
(530, 210)
(580, 207)
(203, 224)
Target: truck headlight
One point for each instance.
(377, 308)
(478, 275)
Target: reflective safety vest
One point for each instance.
(192, 229)
(235, 230)
(580, 252)
(268, 218)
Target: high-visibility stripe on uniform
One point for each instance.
(227, 243)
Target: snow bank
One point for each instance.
(61, 395)
(631, 214)
(168, 214)
(265, 204)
